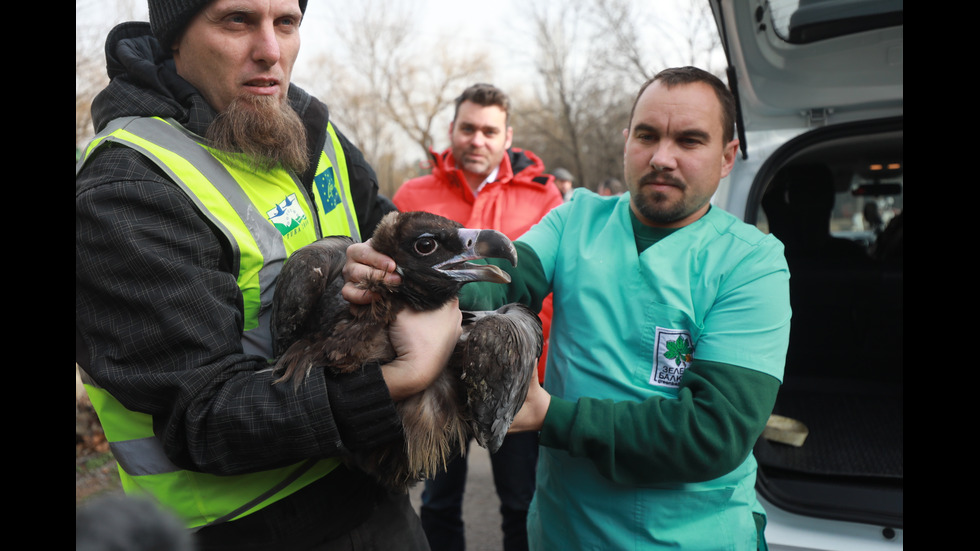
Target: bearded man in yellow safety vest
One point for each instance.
(208, 170)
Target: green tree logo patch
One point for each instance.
(680, 351)
(673, 352)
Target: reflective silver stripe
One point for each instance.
(142, 456)
(258, 340)
(173, 138)
(355, 232)
(184, 144)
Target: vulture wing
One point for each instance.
(307, 304)
(495, 360)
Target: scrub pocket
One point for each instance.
(669, 337)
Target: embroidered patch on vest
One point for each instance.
(288, 215)
(672, 354)
(326, 187)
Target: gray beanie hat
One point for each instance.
(562, 174)
(168, 18)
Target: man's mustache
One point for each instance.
(663, 178)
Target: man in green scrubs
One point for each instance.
(668, 342)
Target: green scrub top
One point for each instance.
(625, 327)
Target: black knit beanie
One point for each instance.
(169, 17)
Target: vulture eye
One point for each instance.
(426, 245)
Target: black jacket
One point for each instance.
(159, 316)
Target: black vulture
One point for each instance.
(486, 380)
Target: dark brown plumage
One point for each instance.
(495, 359)
(479, 392)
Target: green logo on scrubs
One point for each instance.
(673, 352)
(680, 351)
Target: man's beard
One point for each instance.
(656, 207)
(264, 130)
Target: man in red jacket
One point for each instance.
(483, 182)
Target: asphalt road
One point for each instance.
(481, 507)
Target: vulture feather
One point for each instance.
(486, 380)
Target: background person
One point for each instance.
(611, 186)
(481, 181)
(565, 182)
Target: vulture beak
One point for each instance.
(480, 244)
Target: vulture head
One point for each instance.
(434, 255)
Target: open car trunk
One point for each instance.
(844, 369)
(819, 87)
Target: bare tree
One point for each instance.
(354, 112)
(93, 21)
(90, 77)
(564, 84)
(575, 121)
(619, 47)
(639, 39)
(592, 55)
(388, 89)
(697, 38)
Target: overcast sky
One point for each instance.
(499, 30)
(500, 26)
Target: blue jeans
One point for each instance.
(513, 475)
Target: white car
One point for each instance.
(819, 86)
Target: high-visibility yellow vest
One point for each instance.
(228, 193)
